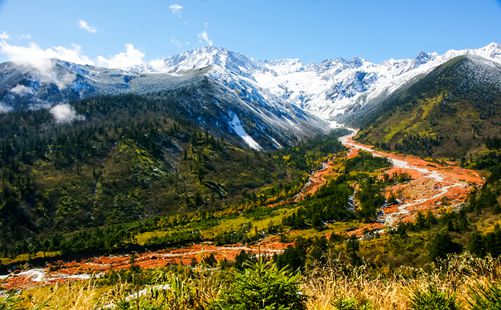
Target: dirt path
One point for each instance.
(433, 186)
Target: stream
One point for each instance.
(445, 186)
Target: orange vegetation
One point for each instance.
(434, 186)
(185, 256)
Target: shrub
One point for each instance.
(485, 298)
(168, 289)
(433, 299)
(210, 260)
(351, 304)
(441, 245)
(262, 285)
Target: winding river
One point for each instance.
(446, 179)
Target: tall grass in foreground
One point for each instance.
(77, 295)
(460, 282)
(453, 278)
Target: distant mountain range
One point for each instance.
(221, 107)
(266, 103)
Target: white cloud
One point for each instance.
(20, 89)
(158, 65)
(64, 80)
(42, 59)
(4, 35)
(64, 113)
(4, 108)
(25, 36)
(176, 9)
(130, 57)
(204, 37)
(84, 25)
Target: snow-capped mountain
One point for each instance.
(450, 112)
(327, 89)
(282, 93)
(220, 99)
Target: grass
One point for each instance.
(25, 257)
(225, 225)
(324, 287)
(80, 295)
(275, 219)
(229, 224)
(144, 237)
(306, 233)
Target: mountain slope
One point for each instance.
(450, 112)
(231, 110)
(129, 158)
(330, 89)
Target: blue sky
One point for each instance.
(310, 30)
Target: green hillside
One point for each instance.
(451, 112)
(131, 159)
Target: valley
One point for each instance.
(203, 179)
(435, 187)
(250, 155)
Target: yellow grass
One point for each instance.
(25, 257)
(79, 295)
(325, 286)
(322, 286)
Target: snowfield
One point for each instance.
(236, 125)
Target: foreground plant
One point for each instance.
(262, 285)
(351, 304)
(433, 299)
(10, 301)
(485, 298)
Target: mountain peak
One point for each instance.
(422, 58)
(204, 57)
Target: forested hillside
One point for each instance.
(452, 112)
(128, 158)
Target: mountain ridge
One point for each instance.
(326, 89)
(31, 91)
(284, 96)
(450, 112)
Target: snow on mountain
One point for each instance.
(283, 93)
(236, 125)
(326, 89)
(207, 85)
(336, 86)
